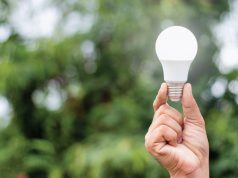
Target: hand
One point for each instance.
(179, 143)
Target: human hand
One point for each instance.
(179, 142)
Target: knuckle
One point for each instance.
(146, 136)
(163, 108)
(148, 143)
(148, 146)
(168, 132)
(163, 129)
(154, 104)
(162, 119)
(172, 136)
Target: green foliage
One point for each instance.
(106, 79)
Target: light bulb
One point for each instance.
(176, 47)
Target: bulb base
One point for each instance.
(175, 90)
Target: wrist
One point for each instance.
(201, 172)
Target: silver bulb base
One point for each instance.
(175, 90)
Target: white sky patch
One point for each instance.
(219, 87)
(227, 37)
(77, 22)
(37, 18)
(233, 87)
(88, 49)
(5, 32)
(52, 99)
(34, 18)
(5, 112)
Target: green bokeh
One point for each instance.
(107, 93)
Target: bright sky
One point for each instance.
(34, 18)
(5, 111)
(37, 18)
(227, 36)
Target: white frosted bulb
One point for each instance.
(176, 47)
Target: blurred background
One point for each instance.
(78, 79)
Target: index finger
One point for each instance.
(161, 97)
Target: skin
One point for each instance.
(179, 142)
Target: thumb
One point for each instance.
(161, 97)
(190, 107)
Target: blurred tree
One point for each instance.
(81, 99)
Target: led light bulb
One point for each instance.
(176, 47)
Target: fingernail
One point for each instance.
(189, 88)
(162, 85)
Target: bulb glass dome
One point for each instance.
(176, 47)
(176, 43)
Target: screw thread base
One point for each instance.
(175, 90)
